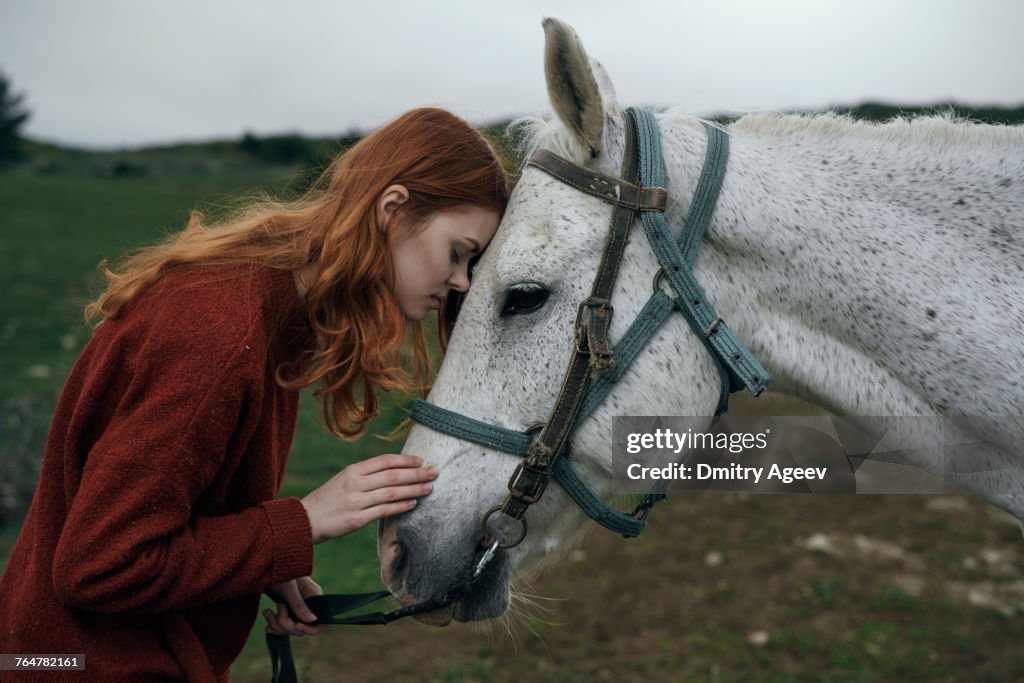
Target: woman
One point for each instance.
(155, 528)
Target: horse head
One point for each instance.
(508, 354)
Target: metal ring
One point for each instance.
(494, 537)
(536, 426)
(657, 279)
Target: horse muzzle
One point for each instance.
(416, 574)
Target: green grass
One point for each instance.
(56, 228)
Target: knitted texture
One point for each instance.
(154, 528)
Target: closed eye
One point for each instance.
(524, 298)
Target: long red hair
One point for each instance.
(441, 160)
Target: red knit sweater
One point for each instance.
(154, 528)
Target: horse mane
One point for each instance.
(945, 129)
(934, 129)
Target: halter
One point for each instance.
(595, 364)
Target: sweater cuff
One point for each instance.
(292, 538)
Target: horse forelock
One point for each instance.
(534, 132)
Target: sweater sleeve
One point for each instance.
(130, 542)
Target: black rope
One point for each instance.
(328, 609)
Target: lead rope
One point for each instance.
(327, 609)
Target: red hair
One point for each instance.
(442, 161)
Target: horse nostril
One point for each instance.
(401, 564)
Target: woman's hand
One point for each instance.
(291, 607)
(367, 491)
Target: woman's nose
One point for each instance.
(459, 280)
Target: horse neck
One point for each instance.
(770, 264)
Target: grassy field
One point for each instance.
(722, 588)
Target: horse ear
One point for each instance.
(579, 90)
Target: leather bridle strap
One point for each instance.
(592, 349)
(607, 188)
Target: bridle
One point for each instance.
(595, 364)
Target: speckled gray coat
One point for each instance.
(873, 269)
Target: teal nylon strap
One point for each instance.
(517, 443)
(647, 322)
(706, 194)
(702, 316)
(595, 508)
(676, 260)
(468, 429)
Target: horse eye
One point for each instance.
(524, 298)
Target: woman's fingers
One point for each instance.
(290, 594)
(284, 619)
(273, 626)
(393, 494)
(340, 506)
(298, 607)
(282, 623)
(290, 598)
(397, 477)
(388, 510)
(386, 462)
(308, 587)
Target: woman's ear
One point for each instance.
(390, 201)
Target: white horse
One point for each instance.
(872, 269)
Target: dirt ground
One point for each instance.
(738, 588)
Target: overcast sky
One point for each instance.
(103, 73)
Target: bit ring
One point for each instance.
(489, 537)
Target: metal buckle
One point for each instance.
(580, 326)
(712, 327)
(657, 279)
(642, 511)
(545, 476)
(591, 302)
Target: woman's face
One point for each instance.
(433, 258)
